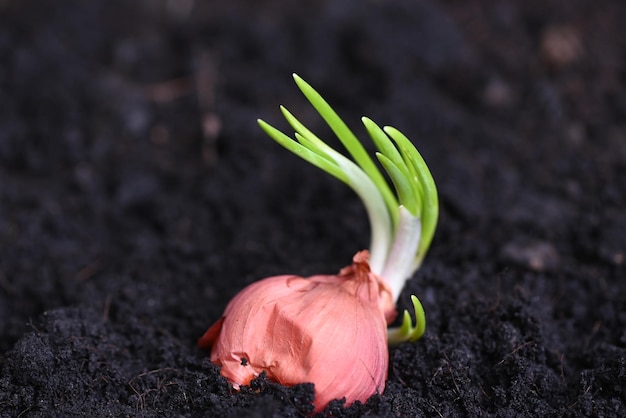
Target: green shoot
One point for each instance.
(402, 219)
(407, 331)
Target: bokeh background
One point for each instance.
(138, 195)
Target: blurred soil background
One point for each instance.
(138, 195)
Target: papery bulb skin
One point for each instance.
(328, 330)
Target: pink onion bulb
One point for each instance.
(327, 330)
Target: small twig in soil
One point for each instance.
(107, 307)
(24, 411)
(496, 303)
(395, 372)
(32, 325)
(142, 396)
(90, 270)
(526, 344)
(594, 331)
(448, 363)
(436, 410)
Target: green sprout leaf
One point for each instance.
(425, 186)
(402, 219)
(408, 331)
(348, 139)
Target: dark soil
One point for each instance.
(138, 195)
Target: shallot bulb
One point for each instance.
(332, 330)
(325, 329)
